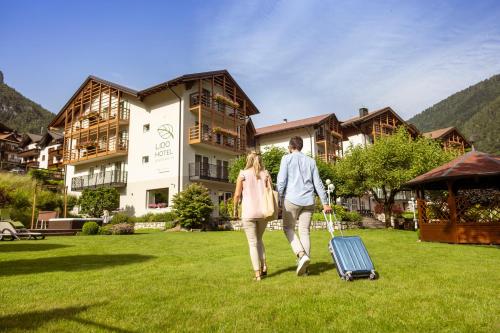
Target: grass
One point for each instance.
(161, 282)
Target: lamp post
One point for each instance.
(329, 190)
(412, 204)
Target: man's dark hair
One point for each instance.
(296, 143)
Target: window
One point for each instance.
(43, 157)
(91, 171)
(145, 159)
(157, 198)
(145, 128)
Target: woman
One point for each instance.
(250, 187)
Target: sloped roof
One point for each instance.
(291, 125)
(370, 115)
(438, 133)
(34, 137)
(9, 136)
(154, 89)
(470, 165)
(195, 76)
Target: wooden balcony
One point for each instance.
(93, 149)
(29, 153)
(221, 139)
(327, 157)
(92, 120)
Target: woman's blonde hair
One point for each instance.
(254, 160)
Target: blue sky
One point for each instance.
(293, 58)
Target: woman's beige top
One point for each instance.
(253, 194)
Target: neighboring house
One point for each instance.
(51, 151)
(327, 138)
(322, 136)
(150, 144)
(9, 148)
(30, 153)
(365, 128)
(450, 139)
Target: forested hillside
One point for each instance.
(475, 111)
(21, 113)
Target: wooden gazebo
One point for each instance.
(459, 202)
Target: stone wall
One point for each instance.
(149, 225)
(278, 225)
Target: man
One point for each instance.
(298, 178)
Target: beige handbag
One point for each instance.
(270, 201)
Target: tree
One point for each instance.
(94, 201)
(386, 166)
(271, 158)
(193, 206)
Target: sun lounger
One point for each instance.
(8, 230)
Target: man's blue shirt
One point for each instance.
(298, 178)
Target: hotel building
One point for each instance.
(152, 143)
(327, 138)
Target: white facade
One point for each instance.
(282, 139)
(159, 155)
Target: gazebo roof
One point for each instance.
(473, 164)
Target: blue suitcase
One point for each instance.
(349, 255)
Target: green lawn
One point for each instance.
(161, 282)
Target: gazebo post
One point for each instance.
(420, 208)
(452, 205)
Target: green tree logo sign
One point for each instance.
(166, 131)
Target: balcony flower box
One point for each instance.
(225, 100)
(93, 114)
(224, 131)
(158, 205)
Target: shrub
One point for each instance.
(105, 230)
(163, 217)
(90, 228)
(122, 229)
(193, 206)
(120, 218)
(94, 202)
(224, 211)
(353, 216)
(170, 224)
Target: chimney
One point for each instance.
(363, 112)
(285, 121)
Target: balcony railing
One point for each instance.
(220, 139)
(91, 148)
(93, 118)
(326, 157)
(114, 178)
(220, 107)
(205, 171)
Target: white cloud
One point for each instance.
(303, 58)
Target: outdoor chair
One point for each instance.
(7, 229)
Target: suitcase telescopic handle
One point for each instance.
(330, 223)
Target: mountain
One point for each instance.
(21, 113)
(475, 111)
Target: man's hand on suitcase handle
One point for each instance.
(327, 209)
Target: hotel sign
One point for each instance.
(164, 147)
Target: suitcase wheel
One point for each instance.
(373, 275)
(348, 276)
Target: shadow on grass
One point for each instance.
(316, 268)
(36, 319)
(68, 263)
(25, 247)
